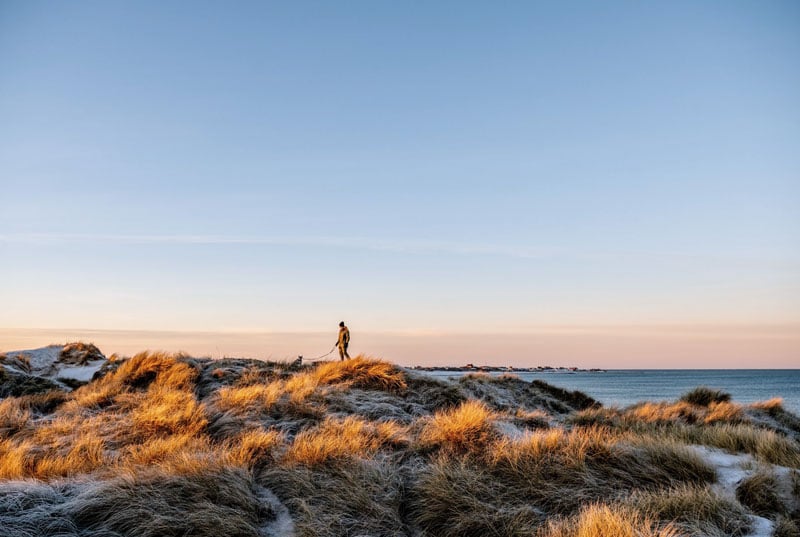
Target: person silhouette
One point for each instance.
(343, 341)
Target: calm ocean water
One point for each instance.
(625, 387)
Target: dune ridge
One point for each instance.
(169, 444)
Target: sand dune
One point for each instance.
(167, 444)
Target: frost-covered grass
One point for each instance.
(167, 444)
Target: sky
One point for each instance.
(606, 184)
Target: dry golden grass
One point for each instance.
(599, 520)
(320, 440)
(684, 412)
(336, 439)
(362, 372)
(511, 485)
(724, 413)
(674, 458)
(662, 413)
(260, 397)
(166, 371)
(300, 387)
(631, 460)
(16, 459)
(78, 352)
(27, 459)
(764, 444)
(253, 448)
(167, 412)
(695, 509)
(158, 451)
(84, 456)
(467, 427)
(770, 406)
(93, 397)
(722, 425)
(13, 416)
(554, 446)
(157, 369)
(143, 412)
(303, 393)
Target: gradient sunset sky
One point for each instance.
(599, 184)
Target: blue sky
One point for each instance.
(408, 167)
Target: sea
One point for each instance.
(623, 387)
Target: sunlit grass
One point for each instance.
(597, 520)
(362, 447)
(467, 427)
(696, 509)
(339, 439)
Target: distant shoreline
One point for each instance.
(469, 368)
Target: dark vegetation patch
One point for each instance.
(151, 504)
(704, 396)
(786, 527)
(13, 384)
(79, 353)
(44, 403)
(759, 493)
(431, 394)
(350, 497)
(71, 383)
(575, 399)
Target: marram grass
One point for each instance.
(165, 444)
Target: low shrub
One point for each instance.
(704, 396)
(576, 399)
(759, 493)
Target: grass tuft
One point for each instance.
(759, 493)
(362, 372)
(695, 509)
(599, 520)
(786, 527)
(704, 396)
(336, 439)
(467, 427)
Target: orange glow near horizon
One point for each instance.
(608, 347)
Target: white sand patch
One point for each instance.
(762, 527)
(45, 362)
(731, 470)
(509, 430)
(83, 373)
(282, 525)
(42, 360)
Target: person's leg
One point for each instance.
(345, 351)
(342, 352)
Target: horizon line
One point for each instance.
(665, 327)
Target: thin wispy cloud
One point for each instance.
(405, 246)
(359, 243)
